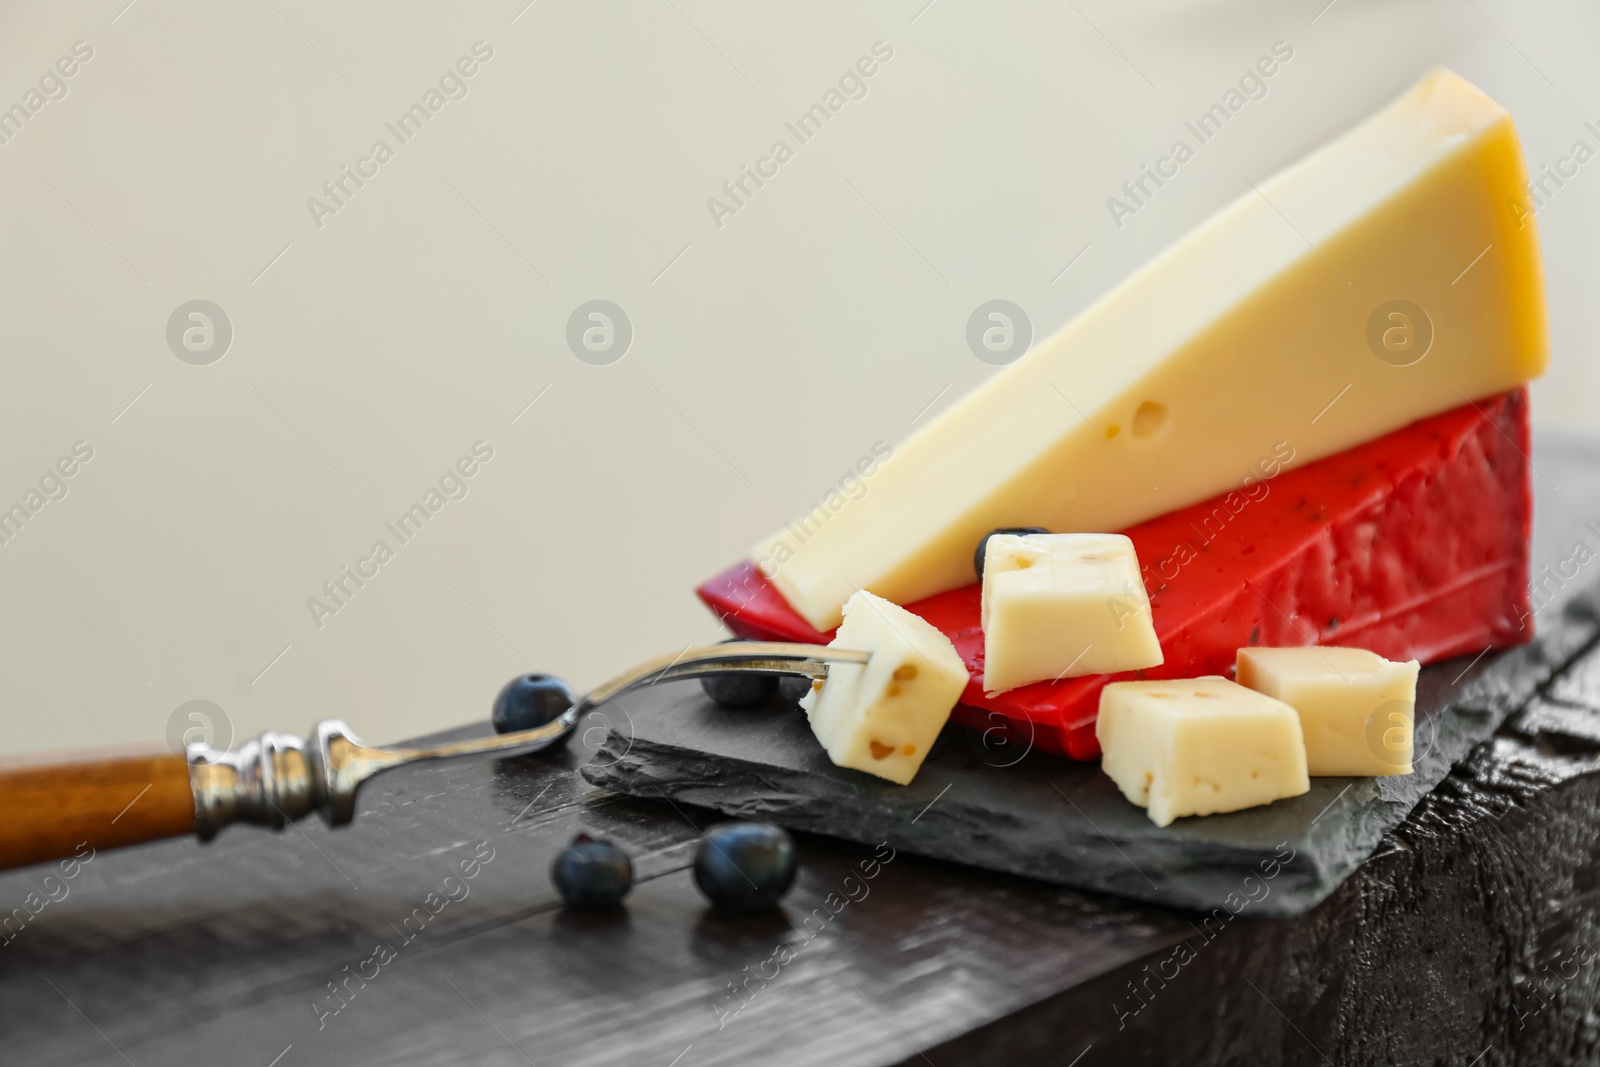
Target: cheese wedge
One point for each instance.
(883, 717)
(1195, 746)
(1413, 545)
(1356, 708)
(1391, 275)
(1062, 606)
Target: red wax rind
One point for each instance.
(1413, 545)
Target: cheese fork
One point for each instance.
(53, 806)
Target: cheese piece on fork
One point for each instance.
(883, 717)
(1393, 274)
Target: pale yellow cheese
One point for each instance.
(1063, 605)
(1356, 708)
(883, 717)
(1199, 745)
(1247, 340)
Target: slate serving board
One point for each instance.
(979, 802)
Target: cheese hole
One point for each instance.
(1148, 419)
(881, 750)
(911, 750)
(1112, 431)
(905, 672)
(893, 690)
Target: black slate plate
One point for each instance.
(1049, 818)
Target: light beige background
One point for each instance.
(769, 353)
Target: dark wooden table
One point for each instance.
(1469, 933)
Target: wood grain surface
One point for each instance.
(55, 805)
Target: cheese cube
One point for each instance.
(1061, 606)
(1199, 745)
(1356, 708)
(882, 717)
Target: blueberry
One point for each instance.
(529, 701)
(983, 545)
(745, 867)
(791, 687)
(591, 875)
(739, 689)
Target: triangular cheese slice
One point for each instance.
(1414, 546)
(1392, 275)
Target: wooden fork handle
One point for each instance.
(60, 805)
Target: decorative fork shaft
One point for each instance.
(52, 807)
